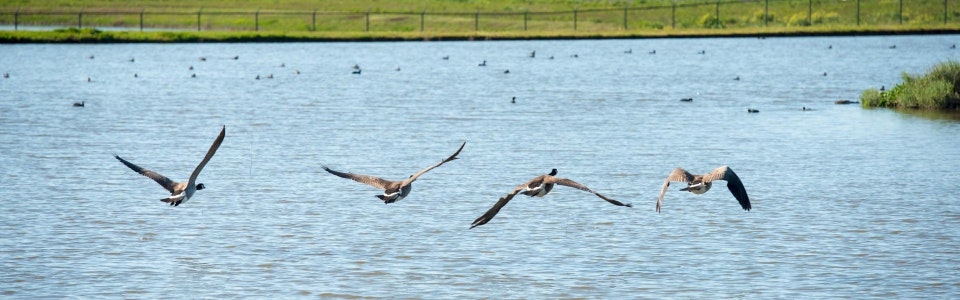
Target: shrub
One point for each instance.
(872, 98)
(708, 21)
(938, 89)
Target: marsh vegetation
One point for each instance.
(939, 88)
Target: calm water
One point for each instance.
(848, 202)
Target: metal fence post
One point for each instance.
(368, 20)
(16, 19)
(141, 18)
(718, 14)
(574, 19)
(809, 12)
(858, 12)
(673, 15)
(625, 17)
(80, 19)
(314, 20)
(944, 11)
(198, 18)
(422, 12)
(766, 10)
(256, 20)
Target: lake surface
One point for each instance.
(847, 202)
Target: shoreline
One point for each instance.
(93, 36)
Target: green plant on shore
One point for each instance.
(939, 88)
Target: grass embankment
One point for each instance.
(317, 20)
(939, 88)
(90, 35)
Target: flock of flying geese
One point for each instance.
(396, 190)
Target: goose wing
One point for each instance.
(486, 217)
(576, 185)
(373, 181)
(165, 182)
(425, 170)
(678, 175)
(733, 184)
(206, 158)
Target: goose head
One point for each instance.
(553, 172)
(200, 186)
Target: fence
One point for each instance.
(718, 14)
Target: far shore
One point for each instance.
(88, 35)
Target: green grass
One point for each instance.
(939, 88)
(90, 35)
(466, 19)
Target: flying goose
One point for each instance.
(180, 192)
(393, 190)
(538, 186)
(699, 184)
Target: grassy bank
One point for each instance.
(939, 88)
(318, 20)
(90, 35)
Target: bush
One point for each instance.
(758, 16)
(708, 21)
(938, 89)
(872, 98)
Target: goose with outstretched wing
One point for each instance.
(393, 191)
(538, 187)
(699, 184)
(180, 192)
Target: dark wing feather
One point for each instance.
(365, 179)
(165, 182)
(206, 158)
(486, 217)
(425, 170)
(733, 184)
(576, 185)
(678, 175)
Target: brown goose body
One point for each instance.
(393, 191)
(180, 192)
(538, 187)
(699, 184)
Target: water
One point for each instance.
(847, 202)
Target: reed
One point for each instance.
(938, 89)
